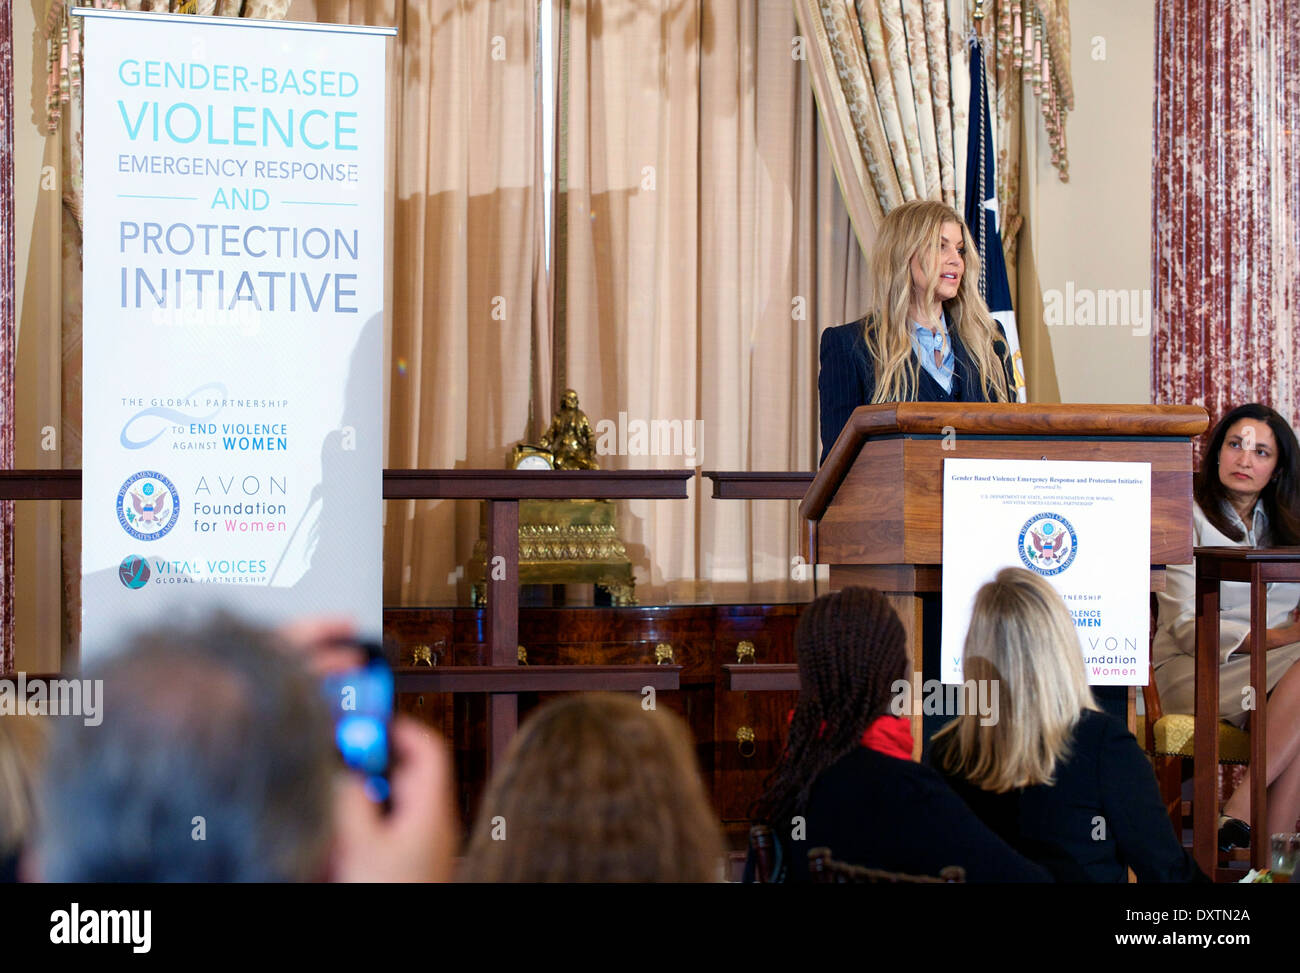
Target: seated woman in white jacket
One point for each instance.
(1247, 495)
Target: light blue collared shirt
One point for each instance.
(924, 343)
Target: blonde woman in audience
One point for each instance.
(1063, 783)
(22, 752)
(597, 789)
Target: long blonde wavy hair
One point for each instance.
(917, 228)
(1023, 640)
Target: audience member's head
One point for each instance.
(1022, 639)
(1275, 472)
(214, 762)
(22, 751)
(595, 788)
(851, 649)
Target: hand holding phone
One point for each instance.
(361, 702)
(415, 842)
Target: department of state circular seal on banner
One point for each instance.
(1048, 543)
(148, 506)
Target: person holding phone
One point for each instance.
(217, 763)
(395, 820)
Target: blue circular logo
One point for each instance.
(1048, 543)
(148, 506)
(133, 571)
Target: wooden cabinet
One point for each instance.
(738, 735)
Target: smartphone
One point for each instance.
(361, 701)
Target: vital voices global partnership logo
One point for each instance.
(1048, 543)
(137, 572)
(148, 506)
(134, 571)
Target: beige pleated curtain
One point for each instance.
(700, 243)
(469, 303)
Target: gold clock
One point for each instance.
(525, 457)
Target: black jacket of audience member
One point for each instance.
(875, 810)
(1102, 816)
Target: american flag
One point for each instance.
(982, 213)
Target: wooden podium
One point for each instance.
(877, 501)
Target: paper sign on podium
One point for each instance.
(1085, 527)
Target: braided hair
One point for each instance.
(851, 650)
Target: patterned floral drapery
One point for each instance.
(1225, 206)
(7, 309)
(892, 79)
(892, 84)
(1025, 42)
(64, 37)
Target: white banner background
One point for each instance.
(232, 326)
(986, 507)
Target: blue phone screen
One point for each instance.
(362, 704)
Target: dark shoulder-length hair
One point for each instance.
(1281, 496)
(851, 649)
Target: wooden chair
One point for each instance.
(826, 871)
(1168, 742)
(1168, 767)
(767, 854)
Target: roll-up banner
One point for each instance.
(232, 332)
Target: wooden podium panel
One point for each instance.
(899, 518)
(885, 472)
(878, 499)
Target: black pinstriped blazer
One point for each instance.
(847, 378)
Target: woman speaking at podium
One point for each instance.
(928, 337)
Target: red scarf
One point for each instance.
(890, 735)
